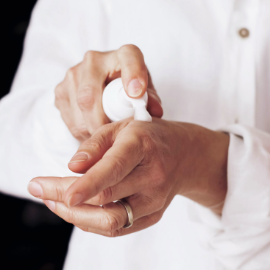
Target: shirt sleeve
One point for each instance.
(34, 140)
(240, 239)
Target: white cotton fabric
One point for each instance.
(205, 73)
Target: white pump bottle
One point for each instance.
(118, 105)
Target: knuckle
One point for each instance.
(86, 97)
(159, 178)
(113, 234)
(92, 56)
(118, 165)
(83, 130)
(160, 203)
(59, 191)
(111, 223)
(128, 48)
(93, 145)
(75, 132)
(60, 93)
(136, 141)
(147, 141)
(70, 216)
(155, 218)
(79, 131)
(71, 73)
(162, 176)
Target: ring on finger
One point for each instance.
(129, 213)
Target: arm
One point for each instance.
(146, 163)
(240, 239)
(33, 139)
(34, 133)
(171, 163)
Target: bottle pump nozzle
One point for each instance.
(118, 105)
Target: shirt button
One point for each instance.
(244, 32)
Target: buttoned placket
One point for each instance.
(238, 81)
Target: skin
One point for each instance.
(79, 95)
(148, 164)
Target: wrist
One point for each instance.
(205, 166)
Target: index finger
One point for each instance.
(117, 162)
(134, 72)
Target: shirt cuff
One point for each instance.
(240, 238)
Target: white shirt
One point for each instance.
(205, 73)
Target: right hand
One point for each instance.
(79, 95)
(148, 165)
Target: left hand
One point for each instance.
(79, 96)
(146, 163)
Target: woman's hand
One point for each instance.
(146, 163)
(79, 96)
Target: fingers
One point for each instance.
(154, 103)
(50, 188)
(133, 70)
(66, 102)
(96, 68)
(109, 219)
(154, 106)
(93, 149)
(62, 103)
(91, 86)
(54, 188)
(133, 183)
(138, 225)
(108, 171)
(79, 128)
(79, 96)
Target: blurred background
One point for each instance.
(31, 237)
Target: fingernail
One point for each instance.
(134, 88)
(75, 199)
(79, 157)
(50, 204)
(35, 189)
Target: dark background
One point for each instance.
(31, 237)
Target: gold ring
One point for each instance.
(129, 213)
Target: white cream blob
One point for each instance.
(118, 105)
